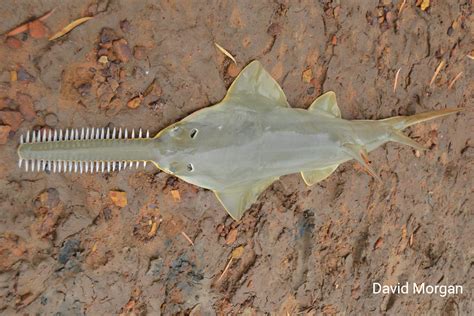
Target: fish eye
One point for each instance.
(193, 133)
(190, 167)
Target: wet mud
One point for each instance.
(141, 242)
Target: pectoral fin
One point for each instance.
(237, 200)
(255, 85)
(315, 176)
(326, 104)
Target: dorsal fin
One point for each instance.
(326, 103)
(254, 83)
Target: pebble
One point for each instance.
(69, 248)
(390, 17)
(274, 29)
(107, 35)
(11, 118)
(13, 42)
(103, 59)
(37, 29)
(450, 31)
(119, 198)
(139, 52)
(233, 70)
(51, 119)
(24, 75)
(5, 76)
(92, 9)
(307, 75)
(4, 103)
(122, 50)
(125, 26)
(102, 5)
(84, 89)
(26, 106)
(4, 132)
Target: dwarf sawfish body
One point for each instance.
(238, 147)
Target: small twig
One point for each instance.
(401, 7)
(68, 28)
(187, 238)
(223, 50)
(47, 15)
(396, 79)
(454, 80)
(438, 69)
(226, 268)
(25, 26)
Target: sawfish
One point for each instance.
(237, 148)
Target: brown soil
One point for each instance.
(70, 244)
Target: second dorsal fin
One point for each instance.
(254, 85)
(327, 104)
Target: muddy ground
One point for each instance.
(68, 248)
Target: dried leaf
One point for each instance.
(378, 243)
(154, 228)
(404, 232)
(425, 4)
(24, 27)
(225, 269)
(402, 6)
(454, 80)
(13, 76)
(94, 247)
(395, 83)
(187, 238)
(223, 50)
(307, 75)
(118, 198)
(17, 30)
(134, 103)
(176, 196)
(47, 15)
(68, 28)
(237, 252)
(231, 236)
(149, 89)
(438, 69)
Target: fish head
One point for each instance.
(177, 146)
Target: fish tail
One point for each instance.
(401, 122)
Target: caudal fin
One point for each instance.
(402, 122)
(398, 123)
